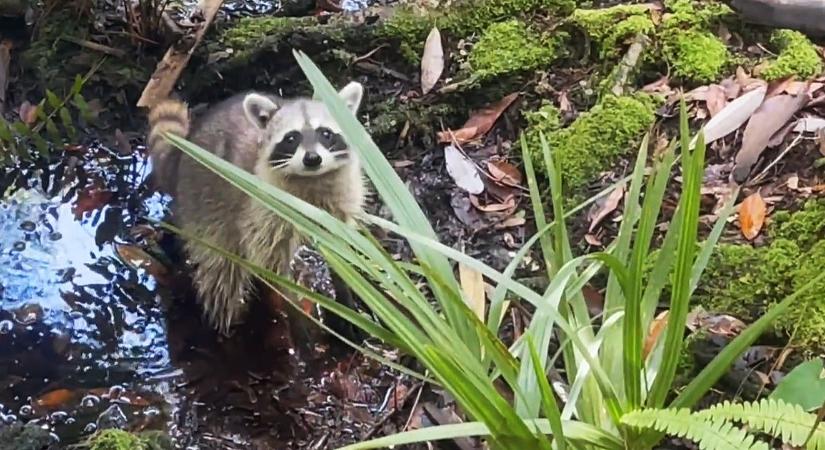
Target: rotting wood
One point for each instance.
(628, 65)
(5, 62)
(168, 70)
(807, 16)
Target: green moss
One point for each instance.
(409, 25)
(744, 281)
(696, 56)
(595, 139)
(113, 439)
(797, 56)
(690, 49)
(610, 26)
(247, 32)
(511, 47)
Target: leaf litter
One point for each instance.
(479, 123)
(432, 61)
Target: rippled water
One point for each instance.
(77, 323)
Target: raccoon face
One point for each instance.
(300, 137)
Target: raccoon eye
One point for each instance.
(325, 135)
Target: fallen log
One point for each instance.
(807, 16)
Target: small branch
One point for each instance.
(177, 57)
(96, 47)
(629, 64)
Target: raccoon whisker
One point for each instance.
(340, 154)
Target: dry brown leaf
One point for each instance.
(660, 85)
(472, 284)
(28, 113)
(510, 222)
(778, 86)
(432, 61)
(55, 399)
(480, 122)
(752, 213)
(509, 204)
(136, 257)
(609, 206)
(593, 240)
(733, 115)
(731, 87)
(504, 172)
(90, 199)
(716, 99)
(564, 103)
(656, 328)
(769, 118)
(463, 170)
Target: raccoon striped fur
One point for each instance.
(294, 144)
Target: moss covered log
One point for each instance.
(745, 281)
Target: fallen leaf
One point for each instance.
(716, 99)
(403, 163)
(656, 328)
(609, 206)
(432, 62)
(771, 116)
(731, 87)
(463, 170)
(565, 106)
(28, 113)
(660, 85)
(515, 221)
(809, 124)
(793, 183)
(593, 240)
(472, 284)
(732, 116)
(139, 259)
(779, 137)
(504, 172)
(510, 204)
(55, 399)
(778, 86)
(752, 215)
(90, 199)
(480, 122)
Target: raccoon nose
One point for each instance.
(312, 160)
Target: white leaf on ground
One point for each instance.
(432, 62)
(809, 125)
(463, 170)
(732, 116)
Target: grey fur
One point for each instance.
(213, 209)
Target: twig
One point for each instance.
(95, 46)
(389, 414)
(628, 64)
(764, 171)
(176, 58)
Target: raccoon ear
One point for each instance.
(259, 109)
(352, 94)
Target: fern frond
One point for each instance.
(777, 418)
(709, 434)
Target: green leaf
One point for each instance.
(54, 100)
(803, 386)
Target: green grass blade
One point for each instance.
(581, 434)
(391, 188)
(693, 170)
(548, 398)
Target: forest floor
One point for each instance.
(99, 330)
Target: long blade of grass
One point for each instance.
(633, 331)
(580, 433)
(548, 398)
(693, 170)
(392, 189)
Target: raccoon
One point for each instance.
(294, 144)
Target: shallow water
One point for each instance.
(88, 339)
(82, 332)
